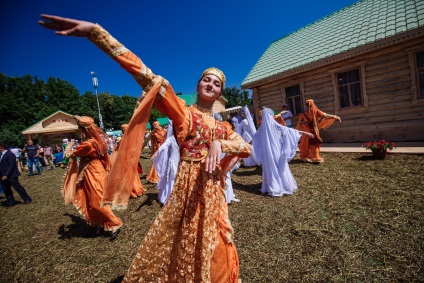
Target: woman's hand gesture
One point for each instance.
(67, 27)
(338, 118)
(214, 156)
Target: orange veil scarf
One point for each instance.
(71, 179)
(318, 119)
(101, 138)
(121, 178)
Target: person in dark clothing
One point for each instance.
(9, 174)
(33, 153)
(41, 157)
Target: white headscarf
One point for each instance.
(249, 120)
(274, 146)
(166, 164)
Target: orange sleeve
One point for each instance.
(166, 101)
(280, 120)
(302, 124)
(234, 144)
(84, 149)
(325, 120)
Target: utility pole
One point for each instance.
(95, 85)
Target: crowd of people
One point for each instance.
(191, 239)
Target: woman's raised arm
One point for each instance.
(67, 27)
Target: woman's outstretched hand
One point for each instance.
(67, 27)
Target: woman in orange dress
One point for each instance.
(138, 188)
(84, 183)
(157, 137)
(311, 120)
(191, 239)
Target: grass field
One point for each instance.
(353, 219)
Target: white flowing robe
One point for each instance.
(246, 129)
(166, 165)
(274, 146)
(228, 187)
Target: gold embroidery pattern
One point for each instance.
(203, 130)
(162, 89)
(103, 40)
(119, 51)
(235, 145)
(241, 147)
(183, 237)
(232, 136)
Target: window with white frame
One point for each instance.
(294, 99)
(420, 73)
(349, 88)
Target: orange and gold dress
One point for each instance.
(191, 239)
(158, 137)
(311, 121)
(138, 188)
(87, 192)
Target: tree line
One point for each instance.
(26, 100)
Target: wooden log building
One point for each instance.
(364, 63)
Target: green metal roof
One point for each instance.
(189, 98)
(162, 122)
(359, 24)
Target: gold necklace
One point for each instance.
(203, 110)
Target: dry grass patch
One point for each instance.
(353, 219)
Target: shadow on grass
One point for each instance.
(151, 198)
(6, 204)
(299, 161)
(117, 279)
(78, 229)
(248, 171)
(366, 158)
(144, 157)
(251, 188)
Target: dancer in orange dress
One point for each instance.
(157, 137)
(138, 189)
(191, 240)
(311, 120)
(84, 183)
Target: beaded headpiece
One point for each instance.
(216, 72)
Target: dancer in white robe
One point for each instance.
(274, 146)
(166, 163)
(228, 187)
(246, 129)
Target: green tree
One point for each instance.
(22, 99)
(236, 97)
(27, 99)
(87, 106)
(60, 95)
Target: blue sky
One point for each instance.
(176, 39)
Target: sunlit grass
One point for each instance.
(353, 219)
